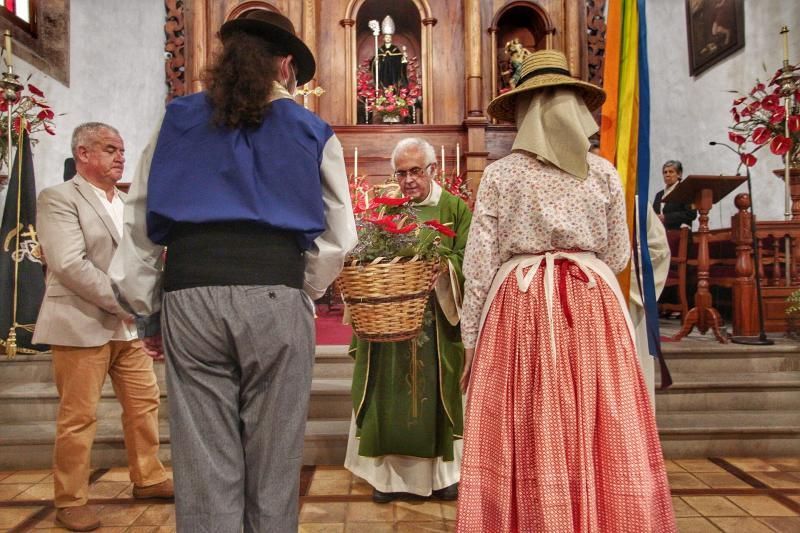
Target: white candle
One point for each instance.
(7, 35)
(785, 32)
(458, 159)
(355, 163)
(442, 160)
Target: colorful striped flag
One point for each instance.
(625, 135)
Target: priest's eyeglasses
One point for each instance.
(414, 172)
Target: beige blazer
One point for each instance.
(78, 239)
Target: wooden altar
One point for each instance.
(459, 42)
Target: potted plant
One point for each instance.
(389, 275)
(793, 315)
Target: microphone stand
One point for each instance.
(762, 339)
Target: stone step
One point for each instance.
(33, 402)
(737, 433)
(29, 445)
(331, 361)
(692, 356)
(745, 433)
(722, 391)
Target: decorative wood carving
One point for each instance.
(595, 39)
(174, 50)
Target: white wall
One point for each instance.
(116, 76)
(689, 112)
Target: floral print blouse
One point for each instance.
(525, 206)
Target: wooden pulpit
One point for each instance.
(703, 192)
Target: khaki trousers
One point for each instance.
(79, 375)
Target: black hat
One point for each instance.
(277, 29)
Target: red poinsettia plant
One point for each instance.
(760, 120)
(388, 227)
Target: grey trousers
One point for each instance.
(239, 362)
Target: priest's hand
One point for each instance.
(468, 354)
(154, 347)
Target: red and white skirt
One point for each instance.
(560, 435)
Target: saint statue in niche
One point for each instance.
(392, 61)
(516, 55)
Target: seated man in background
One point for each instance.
(393, 446)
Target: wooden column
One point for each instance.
(350, 68)
(197, 12)
(427, 69)
(475, 121)
(310, 38)
(472, 52)
(575, 33)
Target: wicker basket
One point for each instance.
(387, 299)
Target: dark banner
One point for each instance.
(21, 272)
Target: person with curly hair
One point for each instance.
(249, 192)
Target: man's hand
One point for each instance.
(154, 347)
(468, 354)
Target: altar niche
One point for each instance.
(518, 29)
(389, 86)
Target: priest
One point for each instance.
(405, 441)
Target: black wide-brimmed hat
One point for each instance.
(277, 29)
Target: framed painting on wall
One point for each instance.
(715, 29)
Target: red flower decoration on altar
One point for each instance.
(748, 160)
(780, 145)
(761, 135)
(736, 138)
(35, 90)
(441, 228)
(31, 107)
(760, 119)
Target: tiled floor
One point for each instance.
(747, 495)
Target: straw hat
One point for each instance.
(277, 29)
(544, 68)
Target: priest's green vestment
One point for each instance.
(408, 402)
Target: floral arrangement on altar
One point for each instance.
(760, 120)
(456, 184)
(392, 104)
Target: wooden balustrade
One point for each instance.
(732, 267)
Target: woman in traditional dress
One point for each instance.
(560, 434)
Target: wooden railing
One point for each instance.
(732, 266)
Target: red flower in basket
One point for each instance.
(385, 200)
(391, 227)
(441, 228)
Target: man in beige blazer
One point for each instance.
(80, 225)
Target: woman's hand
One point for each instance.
(468, 355)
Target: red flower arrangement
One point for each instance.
(389, 101)
(388, 227)
(30, 107)
(760, 120)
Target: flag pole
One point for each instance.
(10, 85)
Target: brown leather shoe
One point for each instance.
(163, 490)
(81, 518)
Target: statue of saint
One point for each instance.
(516, 55)
(392, 62)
